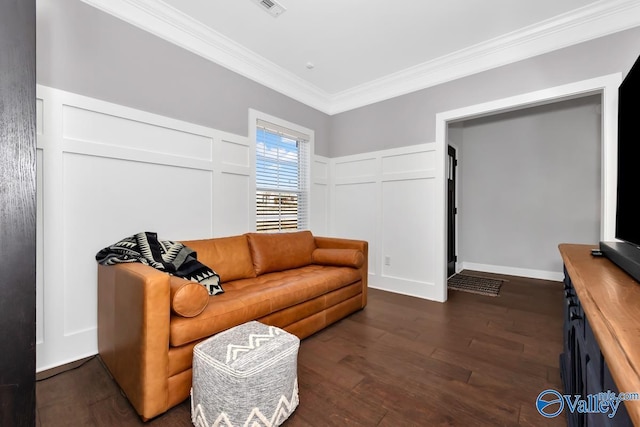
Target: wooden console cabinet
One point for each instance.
(601, 335)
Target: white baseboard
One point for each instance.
(413, 288)
(513, 271)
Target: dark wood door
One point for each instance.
(451, 212)
(17, 212)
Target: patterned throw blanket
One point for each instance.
(171, 257)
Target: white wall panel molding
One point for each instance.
(355, 169)
(409, 162)
(93, 127)
(52, 348)
(134, 155)
(320, 170)
(386, 197)
(233, 154)
(40, 224)
(320, 187)
(233, 159)
(105, 172)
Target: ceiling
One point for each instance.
(336, 55)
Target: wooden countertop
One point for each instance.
(611, 300)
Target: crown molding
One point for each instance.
(168, 23)
(590, 22)
(596, 20)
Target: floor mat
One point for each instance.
(475, 284)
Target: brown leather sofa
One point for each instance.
(149, 321)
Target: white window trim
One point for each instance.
(254, 116)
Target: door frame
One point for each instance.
(606, 86)
(452, 232)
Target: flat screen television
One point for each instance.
(626, 253)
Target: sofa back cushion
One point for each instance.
(338, 257)
(280, 251)
(228, 256)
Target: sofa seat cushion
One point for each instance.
(228, 256)
(291, 287)
(250, 299)
(280, 251)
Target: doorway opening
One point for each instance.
(606, 86)
(531, 181)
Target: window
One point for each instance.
(282, 178)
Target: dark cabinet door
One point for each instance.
(583, 368)
(17, 212)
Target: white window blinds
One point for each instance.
(282, 183)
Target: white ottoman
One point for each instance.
(245, 376)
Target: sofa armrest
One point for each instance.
(341, 243)
(133, 332)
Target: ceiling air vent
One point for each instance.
(272, 7)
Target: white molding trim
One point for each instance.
(606, 86)
(170, 24)
(375, 169)
(595, 20)
(76, 134)
(511, 271)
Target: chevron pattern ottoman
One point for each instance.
(245, 376)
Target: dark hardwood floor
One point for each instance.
(402, 361)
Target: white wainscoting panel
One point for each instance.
(39, 226)
(103, 128)
(39, 115)
(407, 212)
(234, 153)
(355, 169)
(230, 212)
(320, 170)
(354, 211)
(106, 172)
(402, 163)
(388, 198)
(319, 220)
(234, 199)
(39, 248)
(126, 197)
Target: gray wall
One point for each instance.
(83, 50)
(410, 119)
(529, 180)
(86, 51)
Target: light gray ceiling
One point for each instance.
(352, 42)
